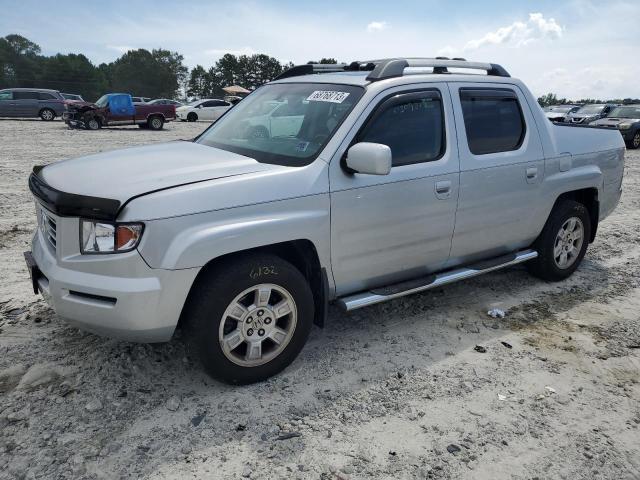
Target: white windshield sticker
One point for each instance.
(328, 96)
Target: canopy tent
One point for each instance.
(236, 90)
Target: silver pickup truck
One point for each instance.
(378, 179)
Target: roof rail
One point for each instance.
(394, 67)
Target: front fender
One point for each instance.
(194, 240)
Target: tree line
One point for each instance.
(550, 99)
(158, 73)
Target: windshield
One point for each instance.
(589, 109)
(625, 112)
(285, 124)
(102, 101)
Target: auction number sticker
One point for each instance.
(328, 96)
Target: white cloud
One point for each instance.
(377, 26)
(120, 48)
(517, 34)
(218, 52)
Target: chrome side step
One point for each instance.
(365, 299)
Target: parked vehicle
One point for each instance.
(557, 113)
(140, 99)
(395, 182)
(589, 113)
(31, 103)
(165, 101)
(72, 97)
(117, 109)
(626, 118)
(208, 109)
(275, 119)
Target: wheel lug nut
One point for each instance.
(267, 320)
(260, 312)
(250, 319)
(261, 332)
(250, 332)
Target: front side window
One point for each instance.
(493, 120)
(412, 125)
(315, 111)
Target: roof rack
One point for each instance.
(394, 67)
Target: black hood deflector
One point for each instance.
(70, 204)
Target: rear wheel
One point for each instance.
(635, 141)
(192, 117)
(249, 318)
(47, 114)
(155, 123)
(563, 242)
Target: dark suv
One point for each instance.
(31, 102)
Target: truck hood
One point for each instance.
(123, 174)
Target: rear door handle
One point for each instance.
(443, 189)
(532, 172)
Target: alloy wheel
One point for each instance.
(568, 243)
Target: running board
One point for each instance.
(378, 295)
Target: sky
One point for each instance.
(574, 48)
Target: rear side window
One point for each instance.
(411, 124)
(46, 96)
(25, 95)
(6, 96)
(493, 120)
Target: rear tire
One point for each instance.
(192, 117)
(563, 242)
(245, 301)
(47, 115)
(155, 123)
(634, 143)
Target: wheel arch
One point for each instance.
(301, 253)
(587, 197)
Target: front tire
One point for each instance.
(563, 242)
(249, 317)
(634, 143)
(92, 124)
(192, 117)
(47, 115)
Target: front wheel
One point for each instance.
(249, 318)
(92, 124)
(155, 123)
(192, 117)
(563, 242)
(634, 143)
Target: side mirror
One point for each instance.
(369, 158)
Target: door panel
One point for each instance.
(394, 227)
(496, 189)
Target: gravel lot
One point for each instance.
(392, 391)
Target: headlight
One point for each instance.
(624, 126)
(101, 237)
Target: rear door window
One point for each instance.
(493, 120)
(411, 124)
(25, 95)
(6, 96)
(46, 96)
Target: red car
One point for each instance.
(117, 109)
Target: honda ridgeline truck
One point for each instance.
(400, 176)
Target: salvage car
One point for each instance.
(557, 113)
(626, 118)
(31, 103)
(396, 182)
(209, 109)
(115, 109)
(589, 113)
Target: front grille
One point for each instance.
(48, 227)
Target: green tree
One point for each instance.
(72, 73)
(198, 85)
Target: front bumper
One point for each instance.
(116, 295)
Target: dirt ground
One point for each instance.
(394, 391)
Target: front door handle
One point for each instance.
(443, 189)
